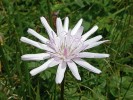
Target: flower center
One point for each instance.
(65, 52)
(65, 47)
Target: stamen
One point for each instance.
(67, 47)
(65, 52)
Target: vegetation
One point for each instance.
(115, 21)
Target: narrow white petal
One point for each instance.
(34, 33)
(66, 24)
(95, 44)
(59, 26)
(60, 72)
(31, 42)
(92, 55)
(73, 67)
(37, 57)
(86, 65)
(77, 26)
(80, 31)
(41, 68)
(89, 33)
(54, 63)
(51, 33)
(92, 40)
(57, 43)
(36, 44)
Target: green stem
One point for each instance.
(62, 89)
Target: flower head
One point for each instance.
(64, 48)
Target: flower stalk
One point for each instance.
(62, 89)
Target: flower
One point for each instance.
(64, 48)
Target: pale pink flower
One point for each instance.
(65, 48)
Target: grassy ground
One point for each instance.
(115, 21)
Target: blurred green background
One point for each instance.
(115, 21)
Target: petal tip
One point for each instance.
(22, 57)
(96, 26)
(79, 78)
(99, 72)
(81, 20)
(21, 39)
(107, 40)
(58, 82)
(32, 73)
(58, 17)
(108, 55)
(42, 19)
(67, 17)
(100, 36)
(28, 30)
